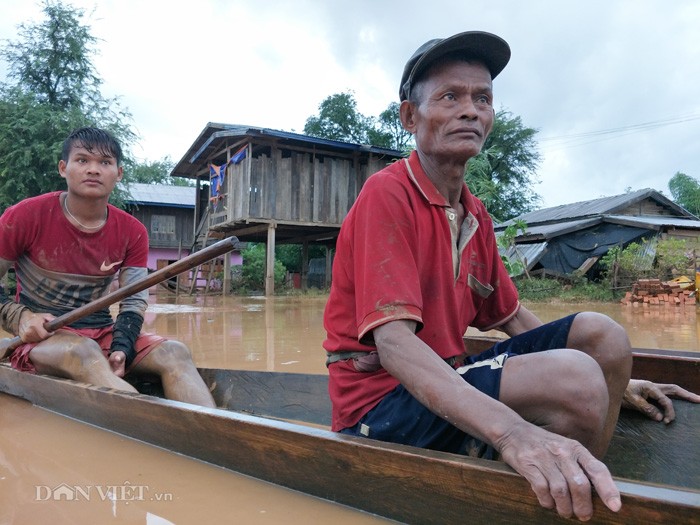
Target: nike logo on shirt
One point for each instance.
(107, 267)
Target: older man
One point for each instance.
(417, 263)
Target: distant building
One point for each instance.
(168, 214)
(571, 238)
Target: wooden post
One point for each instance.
(270, 262)
(227, 274)
(329, 267)
(304, 265)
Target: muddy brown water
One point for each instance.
(59, 471)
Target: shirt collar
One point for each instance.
(426, 187)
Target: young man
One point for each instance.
(417, 263)
(66, 248)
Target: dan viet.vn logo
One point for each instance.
(125, 492)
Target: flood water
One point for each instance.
(124, 481)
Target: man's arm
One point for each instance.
(522, 321)
(18, 319)
(545, 459)
(10, 311)
(129, 321)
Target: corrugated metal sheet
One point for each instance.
(602, 206)
(548, 231)
(528, 253)
(162, 195)
(656, 221)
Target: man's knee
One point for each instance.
(604, 339)
(562, 390)
(83, 352)
(169, 356)
(582, 392)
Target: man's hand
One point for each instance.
(560, 471)
(639, 392)
(117, 362)
(31, 327)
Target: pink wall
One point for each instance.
(170, 254)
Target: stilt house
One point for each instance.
(276, 187)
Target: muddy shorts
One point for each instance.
(102, 336)
(400, 418)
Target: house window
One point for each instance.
(163, 227)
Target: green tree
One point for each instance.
(389, 123)
(290, 255)
(686, 192)
(153, 172)
(339, 119)
(51, 90)
(503, 174)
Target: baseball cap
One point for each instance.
(490, 49)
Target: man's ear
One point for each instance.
(62, 168)
(407, 111)
(120, 174)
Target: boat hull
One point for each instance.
(394, 481)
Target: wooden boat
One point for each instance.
(271, 427)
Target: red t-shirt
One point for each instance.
(59, 267)
(396, 259)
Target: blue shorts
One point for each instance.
(400, 418)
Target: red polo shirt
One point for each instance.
(397, 257)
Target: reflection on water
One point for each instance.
(285, 333)
(249, 333)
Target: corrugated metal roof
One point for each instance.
(655, 221)
(161, 195)
(528, 253)
(602, 206)
(548, 231)
(214, 134)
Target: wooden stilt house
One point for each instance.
(276, 187)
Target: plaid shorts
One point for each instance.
(400, 418)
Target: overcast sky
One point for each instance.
(612, 86)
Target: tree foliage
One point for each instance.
(686, 192)
(290, 255)
(154, 172)
(339, 119)
(253, 272)
(51, 89)
(504, 173)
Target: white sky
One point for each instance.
(577, 67)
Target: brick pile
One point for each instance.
(654, 292)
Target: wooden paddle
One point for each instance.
(7, 345)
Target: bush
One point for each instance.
(253, 272)
(657, 259)
(579, 290)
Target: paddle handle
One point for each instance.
(184, 264)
